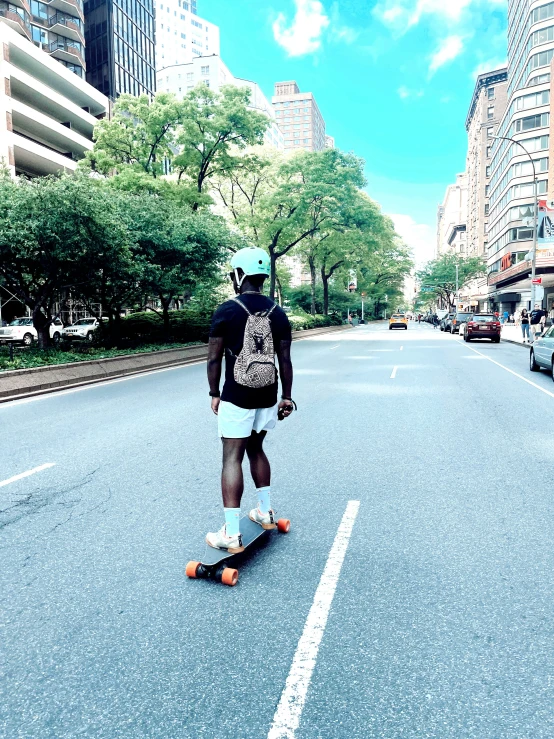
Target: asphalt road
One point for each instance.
(442, 622)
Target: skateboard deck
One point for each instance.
(213, 565)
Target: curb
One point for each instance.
(63, 377)
(517, 343)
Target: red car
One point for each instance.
(483, 326)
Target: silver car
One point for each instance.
(542, 353)
(81, 330)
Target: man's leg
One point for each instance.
(261, 474)
(259, 463)
(232, 481)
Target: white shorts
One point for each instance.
(238, 423)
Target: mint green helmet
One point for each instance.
(252, 261)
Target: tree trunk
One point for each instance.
(165, 306)
(311, 262)
(272, 274)
(279, 291)
(42, 326)
(325, 281)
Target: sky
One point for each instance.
(392, 78)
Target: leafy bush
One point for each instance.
(184, 326)
(307, 321)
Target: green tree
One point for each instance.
(55, 235)
(141, 134)
(440, 275)
(279, 204)
(215, 128)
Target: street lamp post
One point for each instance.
(535, 214)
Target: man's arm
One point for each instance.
(285, 370)
(215, 360)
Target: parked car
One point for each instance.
(445, 323)
(398, 320)
(81, 330)
(22, 331)
(542, 353)
(481, 326)
(459, 318)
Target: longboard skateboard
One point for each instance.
(214, 564)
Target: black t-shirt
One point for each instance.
(229, 322)
(536, 316)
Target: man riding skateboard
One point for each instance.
(250, 330)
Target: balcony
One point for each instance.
(67, 25)
(22, 4)
(17, 18)
(72, 7)
(69, 51)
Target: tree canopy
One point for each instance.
(439, 276)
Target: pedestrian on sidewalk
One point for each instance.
(250, 330)
(536, 321)
(525, 325)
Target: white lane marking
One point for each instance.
(102, 383)
(401, 348)
(27, 474)
(334, 347)
(393, 375)
(515, 374)
(287, 716)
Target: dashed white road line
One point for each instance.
(515, 374)
(27, 474)
(401, 348)
(335, 347)
(393, 375)
(289, 711)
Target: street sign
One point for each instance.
(427, 289)
(537, 281)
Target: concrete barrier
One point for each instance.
(15, 384)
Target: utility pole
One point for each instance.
(457, 289)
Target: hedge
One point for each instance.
(184, 326)
(306, 321)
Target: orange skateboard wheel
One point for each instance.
(283, 524)
(191, 569)
(229, 576)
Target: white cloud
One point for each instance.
(411, 12)
(488, 66)
(449, 48)
(404, 93)
(303, 35)
(419, 237)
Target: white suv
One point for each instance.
(81, 330)
(22, 331)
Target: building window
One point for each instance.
(490, 112)
(489, 149)
(190, 76)
(183, 35)
(487, 206)
(490, 132)
(531, 121)
(488, 171)
(490, 93)
(205, 70)
(487, 188)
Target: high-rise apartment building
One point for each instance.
(487, 108)
(120, 46)
(55, 26)
(527, 119)
(452, 219)
(47, 113)
(211, 71)
(299, 118)
(181, 35)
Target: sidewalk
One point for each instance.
(512, 334)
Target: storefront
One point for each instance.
(510, 286)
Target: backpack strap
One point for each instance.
(242, 305)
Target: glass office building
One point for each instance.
(120, 51)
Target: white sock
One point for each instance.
(264, 499)
(232, 520)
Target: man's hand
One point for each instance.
(286, 407)
(215, 405)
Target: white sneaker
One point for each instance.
(220, 540)
(265, 520)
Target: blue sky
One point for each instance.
(392, 78)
